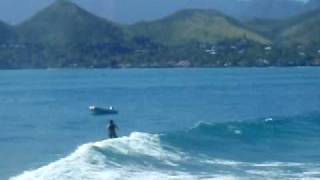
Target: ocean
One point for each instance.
(233, 123)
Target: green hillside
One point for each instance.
(64, 35)
(65, 23)
(267, 27)
(187, 26)
(303, 29)
(7, 33)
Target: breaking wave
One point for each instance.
(272, 148)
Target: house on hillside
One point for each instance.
(263, 62)
(183, 63)
(234, 47)
(212, 51)
(268, 48)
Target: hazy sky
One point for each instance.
(15, 11)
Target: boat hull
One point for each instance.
(102, 111)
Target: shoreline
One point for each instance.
(165, 68)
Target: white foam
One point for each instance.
(278, 164)
(87, 163)
(268, 119)
(143, 156)
(139, 144)
(222, 162)
(238, 132)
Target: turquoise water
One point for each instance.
(175, 123)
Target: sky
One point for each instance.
(123, 11)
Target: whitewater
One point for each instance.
(206, 151)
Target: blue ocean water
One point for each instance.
(233, 123)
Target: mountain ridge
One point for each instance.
(298, 29)
(64, 35)
(304, 29)
(207, 26)
(64, 22)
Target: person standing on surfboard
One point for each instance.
(112, 127)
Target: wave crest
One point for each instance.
(110, 159)
(273, 148)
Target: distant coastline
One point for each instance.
(64, 35)
(159, 68)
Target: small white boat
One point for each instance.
(103, 110)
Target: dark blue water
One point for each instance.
(253, 115)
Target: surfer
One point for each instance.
(112, 127)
